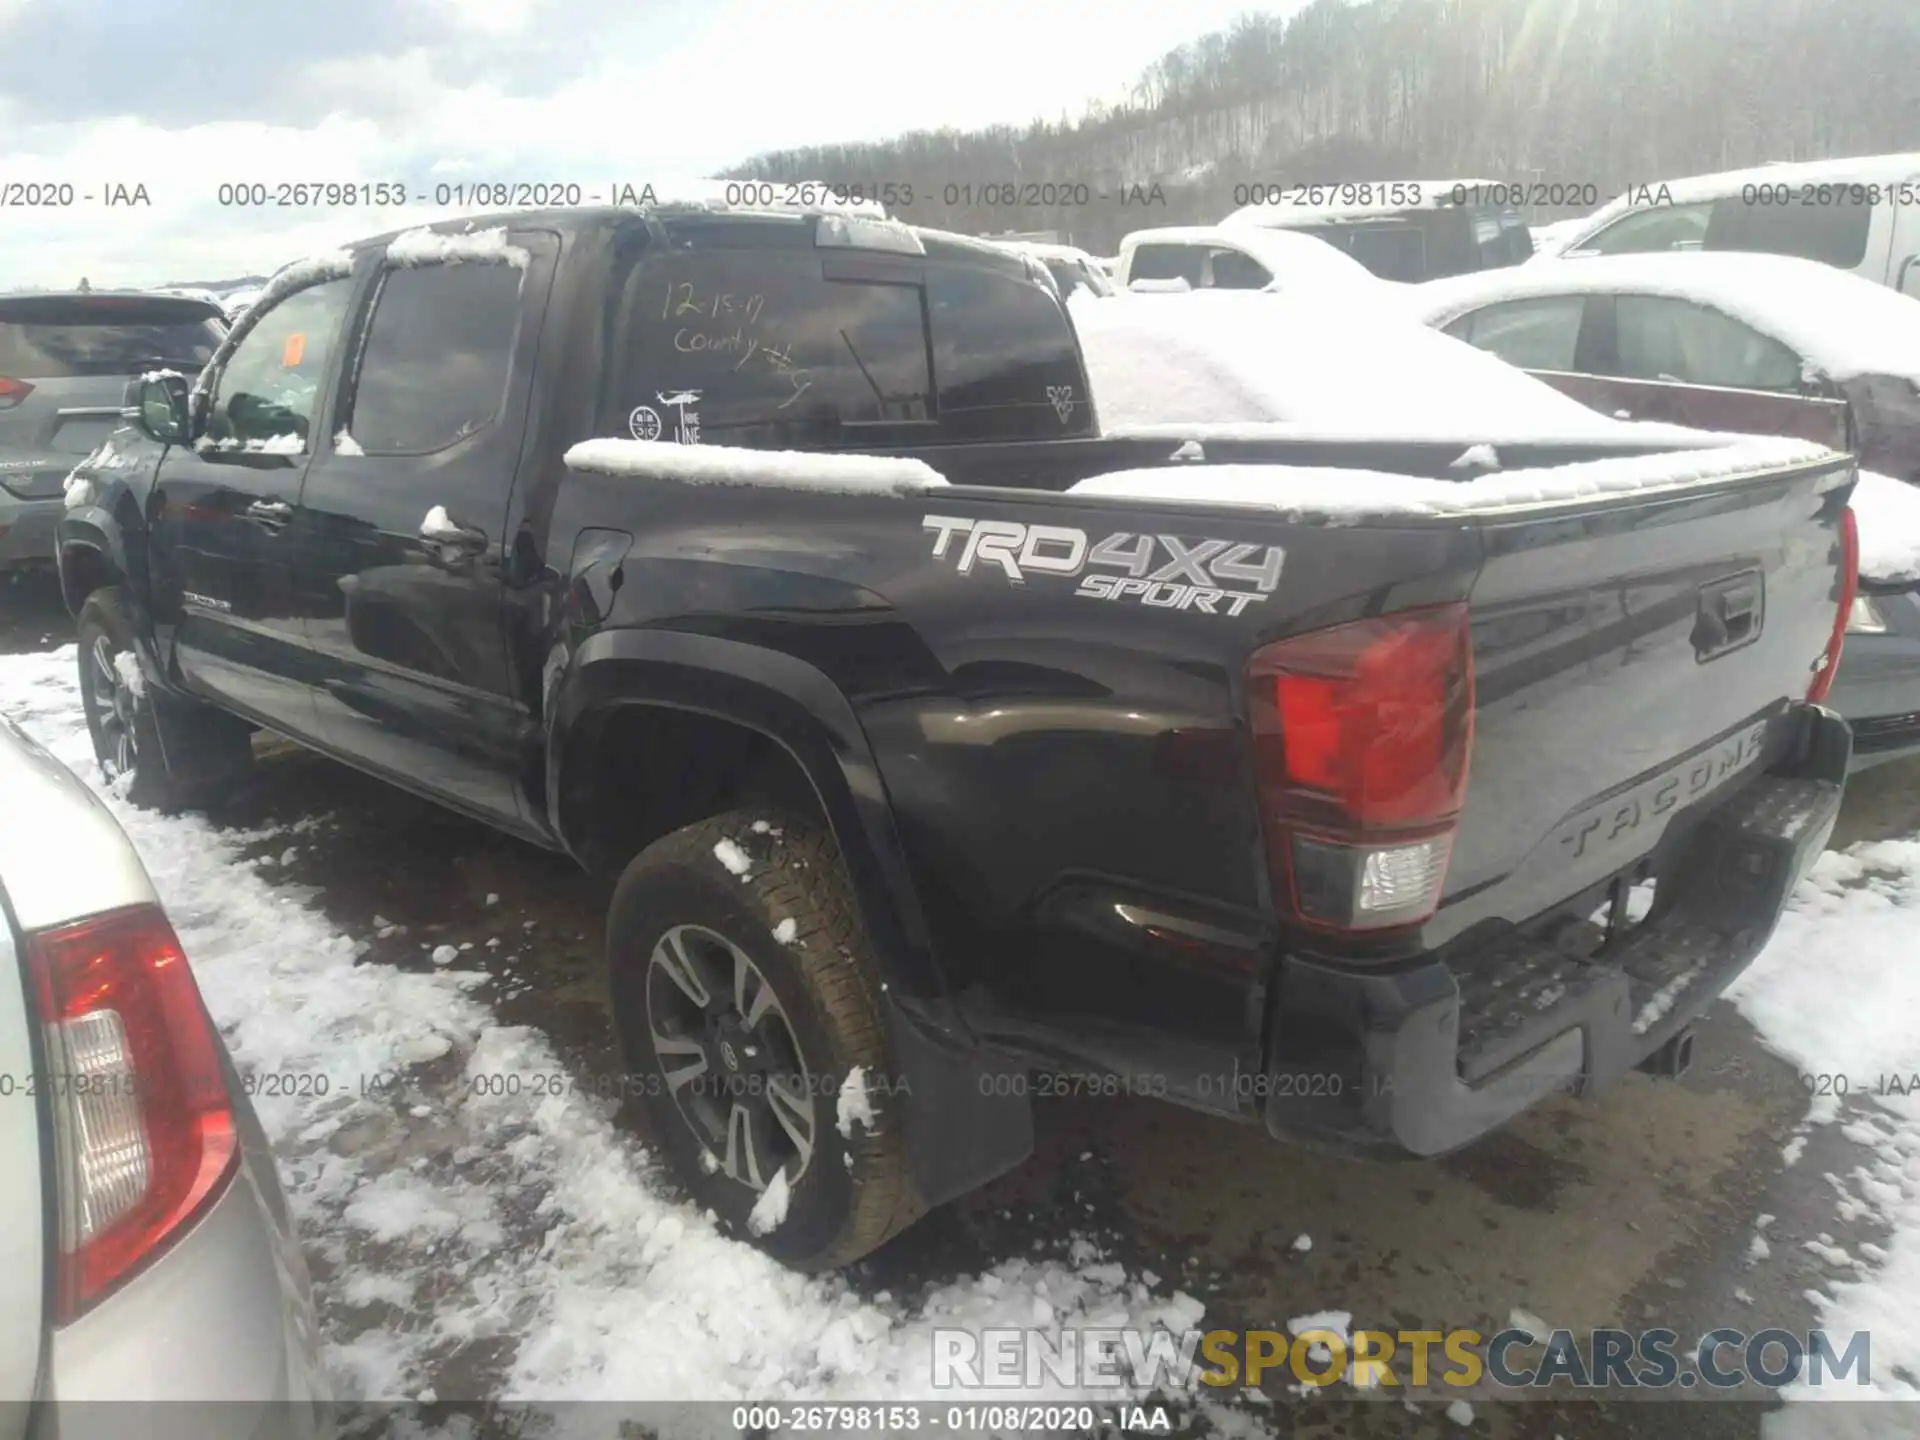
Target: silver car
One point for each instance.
(64, 364)
(145, 1248)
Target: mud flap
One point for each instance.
(968, 1116)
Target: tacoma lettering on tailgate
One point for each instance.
(1169, 572)
(1660, 796)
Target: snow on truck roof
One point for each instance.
(1835, 320)
(1693, 189)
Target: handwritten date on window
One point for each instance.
(684, 302)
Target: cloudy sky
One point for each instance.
(183, 95)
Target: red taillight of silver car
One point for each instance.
(1362, 734)
(143, 1124)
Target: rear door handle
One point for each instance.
(271, 512)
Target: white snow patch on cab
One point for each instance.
(430, 247)
(345, 444)
(736, 465)
(855, 1105)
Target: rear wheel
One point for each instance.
(747, 1001)
(124, 718)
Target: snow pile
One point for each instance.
(77, 488)
(1841, 324)
(1835, 992)
(1888, 513)
(736, 465)
(1226, 357)
(451, 247)
(517, 1246)
(345, 444)
(1308, 492)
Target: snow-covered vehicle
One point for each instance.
(1071, 267)
(778, 568)
(1860, 213)
(1761, 344)
(1219, 257)
(1406, 230)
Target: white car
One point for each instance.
(1860, 214)
(1246, 257)
(146, 1253)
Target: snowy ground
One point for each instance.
(469, 1244)
(525, 1248)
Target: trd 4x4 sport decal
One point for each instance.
(1169, 572)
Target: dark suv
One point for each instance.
(64, 364)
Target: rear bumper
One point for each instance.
(26, 530)
(217, 1340)
(1428, 1058)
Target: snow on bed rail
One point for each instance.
(429, 247)
(774, 469)
(1338, 495)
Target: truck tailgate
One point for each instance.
(1629, 663)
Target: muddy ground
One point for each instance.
(1636, 1208)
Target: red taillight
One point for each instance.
(1829, 662)
(143, 1125)
(1362, 735)
(12, 392)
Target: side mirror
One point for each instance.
(158, 406)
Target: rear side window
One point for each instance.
(1167, 262)
(434, 366)
(1005, 364)
(758, 348)
(1833, 232)
(1393, 252)
(1662, 227)
(1234, 271)
(1664, 339)
(61, 339)
(1539, 334)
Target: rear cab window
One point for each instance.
(777, 345)
(76, 337)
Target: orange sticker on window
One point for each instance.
(293, 352)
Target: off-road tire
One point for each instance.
(856, 1192)
(208, 746)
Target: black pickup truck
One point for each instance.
(945, 752)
